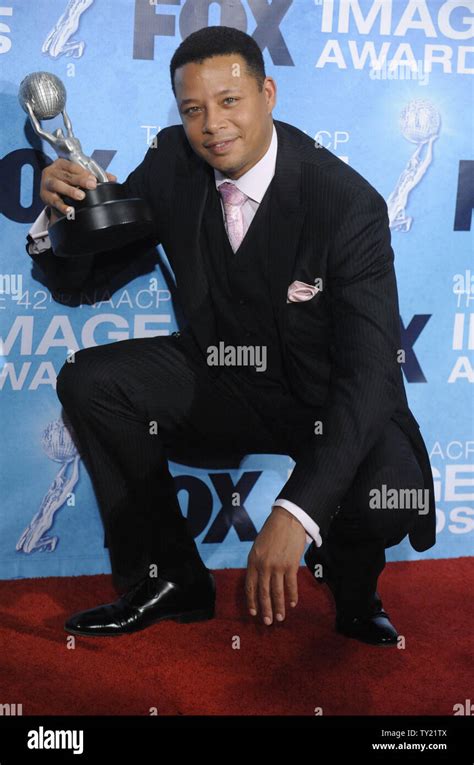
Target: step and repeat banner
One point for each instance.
(386, 85)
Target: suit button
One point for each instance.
(242, 301)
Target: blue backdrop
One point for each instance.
(340, 74)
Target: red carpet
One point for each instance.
(285, 669)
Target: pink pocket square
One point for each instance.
(300, 291)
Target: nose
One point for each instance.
(213, 122)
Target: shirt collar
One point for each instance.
(255, 181)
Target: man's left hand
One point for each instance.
(272, 565)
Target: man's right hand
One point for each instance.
(64, 177)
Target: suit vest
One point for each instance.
(239, 289)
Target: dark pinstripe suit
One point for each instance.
(339, 349)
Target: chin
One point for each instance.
(223, 168)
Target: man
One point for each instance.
(280, 247)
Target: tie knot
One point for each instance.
(231, 195)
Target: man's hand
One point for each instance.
(272, 565)
(63, 177)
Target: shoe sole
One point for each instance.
(186, 617)
(385, 644)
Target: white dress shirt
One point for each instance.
(39, 233)
(254, 184)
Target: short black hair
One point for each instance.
(219, 41)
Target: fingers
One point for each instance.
(291, 582)
(278, 595)
(266, 591)
(251, 588)
(62, 178)
(264, 599)
(111, 176)
(56, 190)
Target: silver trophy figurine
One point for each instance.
(420, 124)
(106, 218)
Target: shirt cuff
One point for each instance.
(38, 237)
(310, 526)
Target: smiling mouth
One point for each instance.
(220, 146)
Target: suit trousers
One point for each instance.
(130, 403)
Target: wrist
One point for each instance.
(282, 511)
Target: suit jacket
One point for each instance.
(340, 347)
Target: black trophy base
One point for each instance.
(106, 219)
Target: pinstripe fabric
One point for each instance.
(339, 350)
(128, 403)
(365, 379)
(115, 394)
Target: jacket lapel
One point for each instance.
(287, 214)
(190, 194)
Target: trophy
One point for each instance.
(106, 218)
(420, 124)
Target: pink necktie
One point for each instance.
(233, 200)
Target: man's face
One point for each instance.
(219, 101)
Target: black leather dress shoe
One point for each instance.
(149, 601)
(374, 628)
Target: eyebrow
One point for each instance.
(220, 93)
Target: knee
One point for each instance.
(393, 497)
(76, 377)
(397, 482)
(398, 473)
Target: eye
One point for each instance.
(190, 110)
